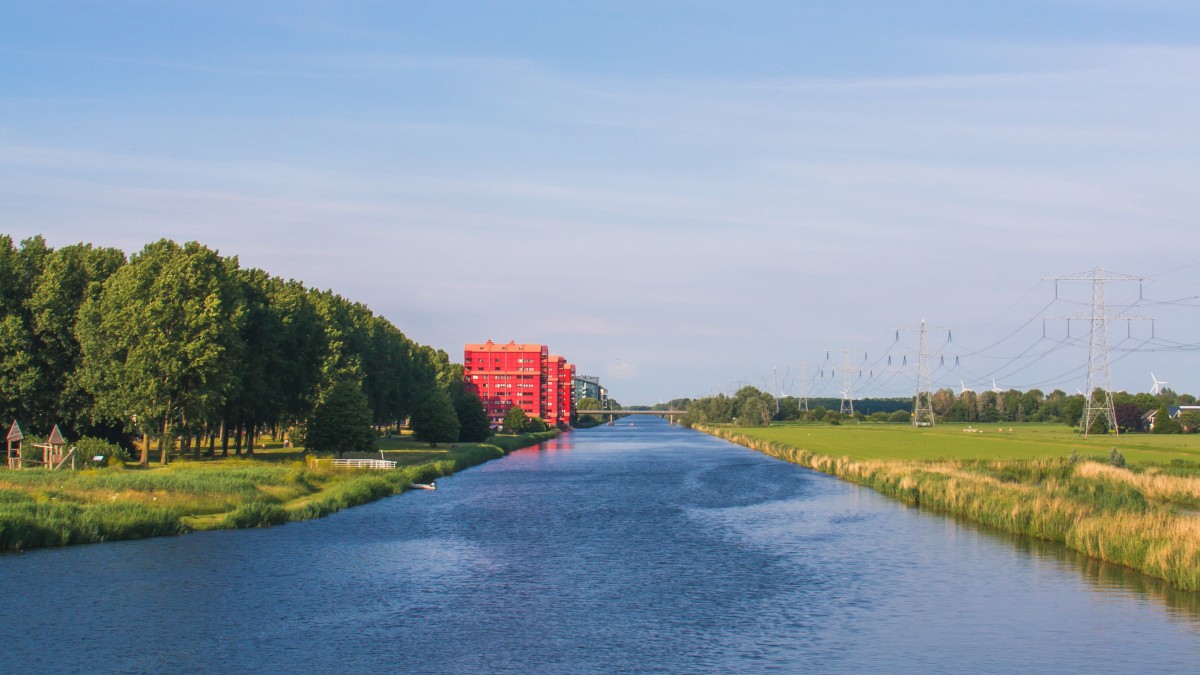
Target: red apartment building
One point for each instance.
(524, 375)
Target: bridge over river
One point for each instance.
(669, 415)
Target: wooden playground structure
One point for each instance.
(54, 451)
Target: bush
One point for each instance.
(296, 436)
(87, 448)
(1115, 458)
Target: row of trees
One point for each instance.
(179, 341)
(583, 420)
(752, 407)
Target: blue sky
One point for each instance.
(708, 193)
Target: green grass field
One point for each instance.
(40, 507)
(986, 441)
(1036, 480)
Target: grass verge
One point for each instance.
(1142, 517)
(41, 508)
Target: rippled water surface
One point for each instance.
(637, 549)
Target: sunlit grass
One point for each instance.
(975, 441)
(1034, 480)
(51, 508)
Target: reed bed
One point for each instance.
(1137, 518)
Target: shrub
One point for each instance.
(296, 436)
(87, 448)
(1115, 458)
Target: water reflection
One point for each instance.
(1109, 579)
(1104, 578)
(617, 549)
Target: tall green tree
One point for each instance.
(159, 342)
(70, 276)
(1164, 424)
(296, 370)
(473, 423)
(434, 420)
(753, 407)
(341, 421)
(23, 388)
(754, 412)
(347, 327)
(582, 406)
(278, 364)
(516, 421)
(388, 364)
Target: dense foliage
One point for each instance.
(435, 420)
(179, 342)
(341, 421)
(516, 421)
(750, 407)
(473, 423)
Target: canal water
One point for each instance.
(631, 548)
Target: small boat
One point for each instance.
(423, 486)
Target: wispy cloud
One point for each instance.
(745, 213)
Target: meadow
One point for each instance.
(39, 507)
(1041, 481)
(976, 441)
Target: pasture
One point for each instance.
(975, 442)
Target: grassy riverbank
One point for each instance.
(1035, 480)
(54, 508)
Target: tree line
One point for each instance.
(177, 341)
(752, 407)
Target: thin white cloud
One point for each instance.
(729, 211)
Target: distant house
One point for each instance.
(1173, 411)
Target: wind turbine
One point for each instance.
(964, 387)
(996, 389)
(1158, 386)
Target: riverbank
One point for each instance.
(1142, 516)
(40, 508)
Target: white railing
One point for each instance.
(357, 463)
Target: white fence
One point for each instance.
(355, 463)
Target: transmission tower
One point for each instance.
(923, 400)
(1098, 377)
(775, 387)
(847, 385)
(803, 386)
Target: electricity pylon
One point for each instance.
(847, 386)
(1098, 377)
(803, 386)
(923, 399)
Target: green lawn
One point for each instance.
(39, 507)
(987, 441)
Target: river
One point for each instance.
(643, 548)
